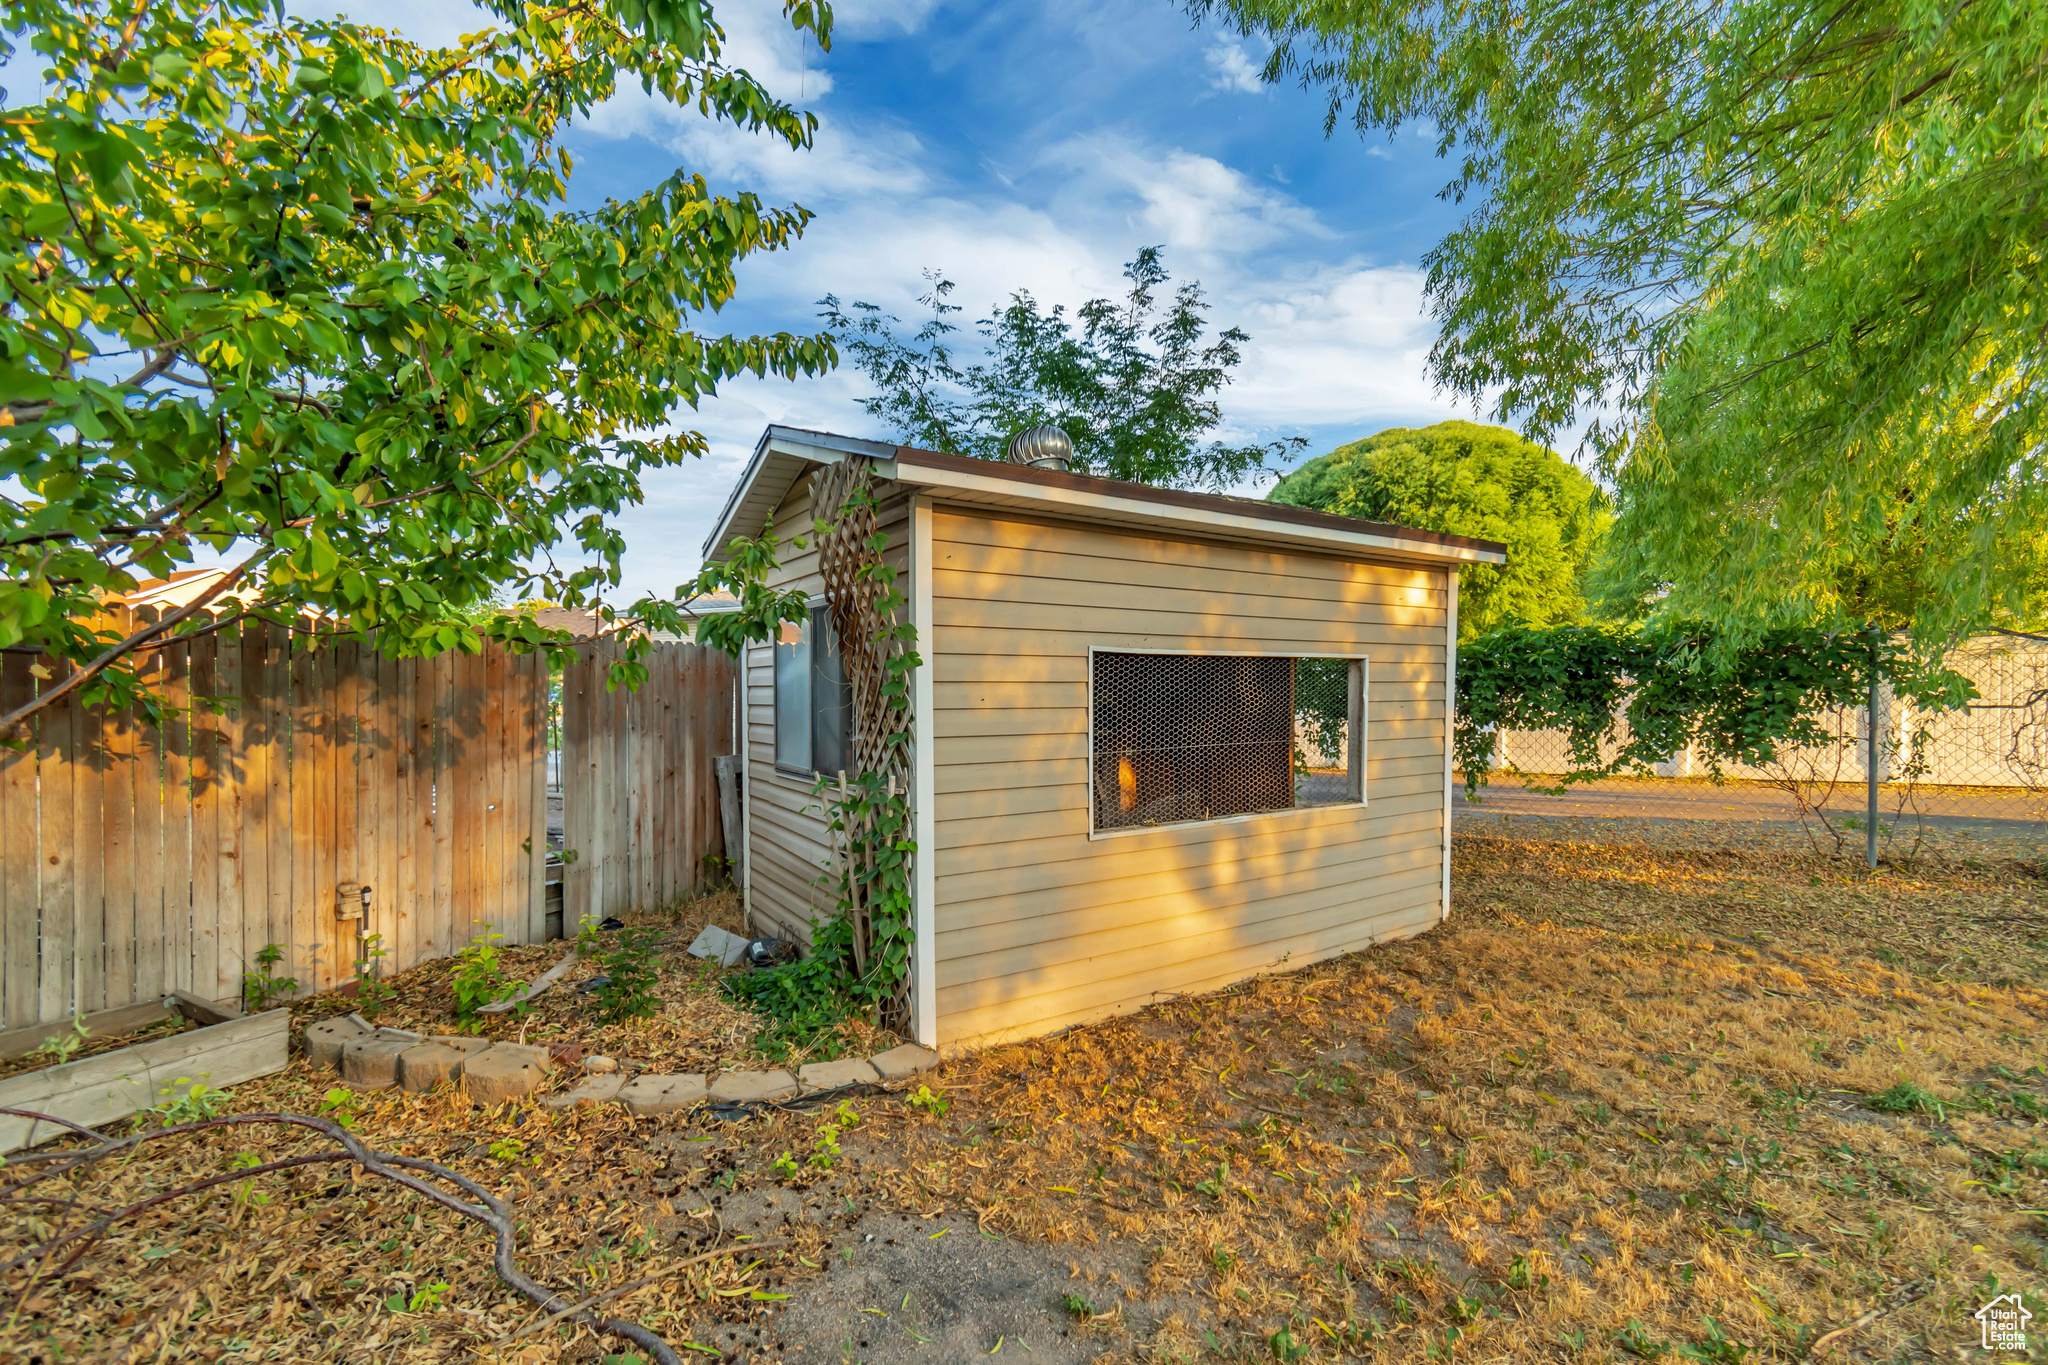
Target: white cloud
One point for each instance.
(846, 160)
(437, 23)
(1232, 69)
(870, 19)
(1338, 348)
(1188, 202)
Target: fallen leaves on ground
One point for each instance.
(1629, 1102)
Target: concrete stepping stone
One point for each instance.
(901, 1063)
(505, 1071)
(370, 1061)
(325, 1039)
(590, 1090)
(728, 948)
(743, 1087)
(832, 1075)
(648, 1095)
(425, 1065)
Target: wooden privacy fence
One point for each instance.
(137, 859)
(640, 822)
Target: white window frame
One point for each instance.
(1361, 704)
(811, 774)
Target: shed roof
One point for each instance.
(785, 453)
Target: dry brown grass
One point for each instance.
(1622, 1092)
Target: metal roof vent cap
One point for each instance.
(1041, 448)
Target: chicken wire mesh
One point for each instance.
(1183, 737)
(1984, 765)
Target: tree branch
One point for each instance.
(35, 412)
(13, 719)
(489, 1210)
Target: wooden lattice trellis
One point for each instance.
(843, 504)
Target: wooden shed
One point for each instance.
(1163, 740)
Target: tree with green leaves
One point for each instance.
(1132, 381)
(308, 296)
(1472, 480)
(1791, 252)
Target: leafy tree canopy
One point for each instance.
(1132, 382)
(306, 294)
(1791, 250)
(1472, 480)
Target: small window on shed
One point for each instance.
(813, 706)
(1188, 737)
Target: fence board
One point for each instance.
(388, 744)
(252, 794)
(59, 915)
(349, 831)
(231, 959)
(670, 814)
(20, 857)
(442, 923)
(88, 871)
(207, 786)
(177, 817)
(325, 779)
(497, 828)
(578, 764)
(537, 684)
(277, 829)
(307, 705)
(146, 786)
(117, 855)
(413, 936)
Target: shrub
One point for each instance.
(632, 966)
(479, 977)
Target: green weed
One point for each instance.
(198, 1100)
(260, 989)
(632, 966)
(479, 978)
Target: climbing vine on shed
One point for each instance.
(860, 958)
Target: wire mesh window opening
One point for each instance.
(1184, 737)
(813, 704)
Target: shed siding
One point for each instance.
(791, 847)
(1039, 926)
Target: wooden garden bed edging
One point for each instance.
(115, 1084)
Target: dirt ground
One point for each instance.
(1659, 1099)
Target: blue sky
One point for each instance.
(1039, 146)
(1033, 145)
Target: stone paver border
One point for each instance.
(510, 1066)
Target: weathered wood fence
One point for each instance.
(136, 858)
(139, 858)
(639, 785)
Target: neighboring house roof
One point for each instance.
(181, 588)
(583, 624)
(784, 453)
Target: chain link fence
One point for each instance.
(1980, 770)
